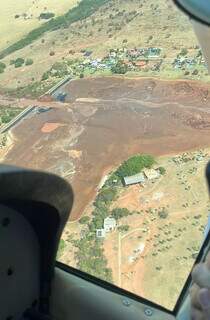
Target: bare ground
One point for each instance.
(106, 120)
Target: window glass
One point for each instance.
(113, 96)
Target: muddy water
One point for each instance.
(112, 119)
(134, 116)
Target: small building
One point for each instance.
(43, 109)
(151, 174)
(154, 52)
(100, 233)
(61, 96)
(137, 178)
(140, 64)
(199, 158)
(87, 53)
(109, 224)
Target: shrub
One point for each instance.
(84, 220)
(2, 65)
(29, 62)
(46, 15)
(45, 76)
(119, 68)
(134, 165)
(52, 53)
(162, 170)
(81, 75)
(19, 62)
(184, 52)
(163, 214)
(119, 213)
(107, 195)
(124, 228)
(61, 248)
(195, 72)
(58, 69)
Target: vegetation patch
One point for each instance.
(135, 165)
(61, 248)
(2, 67)
(8, 113)
(46, 15)
(85, 9)
(29, 62)
(90, 254)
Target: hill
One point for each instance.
(17, 18)
(127, 24)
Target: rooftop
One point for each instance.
(137, 178)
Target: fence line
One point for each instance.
(57, 86)
(19, 117)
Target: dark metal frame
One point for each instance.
(192, 16)
(113, 288)
(110, 287)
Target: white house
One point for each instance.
(151, 174)
(109, 224)
(100, 233)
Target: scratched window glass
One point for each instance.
(113, 96)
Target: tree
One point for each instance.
(84, 220)
(184, 52)
(163, 214)
(119, 68)
(107, 195)
(45, 76)
(195, 72)
(81, 75)
(29, 62)
(135, 165)
(119, 213)
(162, 170)
(2, 67)
(19, 62)
(46, 15)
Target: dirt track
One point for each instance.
(106, 121)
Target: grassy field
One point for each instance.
(13, 29)
(114, 25)
(8, 113)
(154, 255)
(168, 242)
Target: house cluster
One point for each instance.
(142, 177)
(110, 225)
(187, 62)
(186, 157)
(184, 62)
(148, 53)
(133, 58)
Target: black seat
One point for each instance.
(34, 207)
